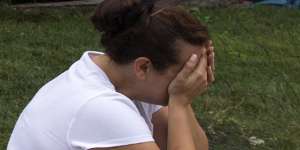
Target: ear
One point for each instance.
(142, 66)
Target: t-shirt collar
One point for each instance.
(92, 66)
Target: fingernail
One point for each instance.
(194, 57)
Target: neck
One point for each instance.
(117, 74)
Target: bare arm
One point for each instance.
(199, 136)
(160, 121)
(160, 127)
(180, 135)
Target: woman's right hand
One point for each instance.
(191, 81)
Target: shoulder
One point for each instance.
(110, 119)
(108, 105)
(109, 99)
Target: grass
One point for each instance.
(257, 88)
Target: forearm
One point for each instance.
(160, 129)
(180, 136)
(199, 136)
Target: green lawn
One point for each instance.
(257, 88)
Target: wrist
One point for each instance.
(179, 101)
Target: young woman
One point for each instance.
(137, 95)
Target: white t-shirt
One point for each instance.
(79, 110)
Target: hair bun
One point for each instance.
(115, 16)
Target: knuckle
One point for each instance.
(189, 65)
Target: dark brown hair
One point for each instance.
(139, 28)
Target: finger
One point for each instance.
(213, 62)
(211, 55)
(210, 50)
(210, 75)
(200, 70)
(210, 60)
(189, 66)
(209, 43)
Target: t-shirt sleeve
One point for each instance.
(108, 123)
(150, 108)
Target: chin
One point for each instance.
(164, 102)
